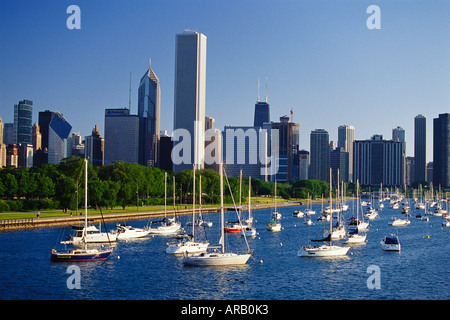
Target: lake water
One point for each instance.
(140, 269)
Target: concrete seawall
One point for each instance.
(23, 224)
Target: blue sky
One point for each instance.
(319, 57)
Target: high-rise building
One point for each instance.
(2, 147)
(37, 137)
(339, 165)
(319, 155)
(190, 94)
(262, 113)
(441, 151)
(165, 153)
(59, 139)
(121, 136)
(288, 144)
(377, 161)
(303, 164)
(23, 122)
(149, 104)
(420, 148)
(346, 137)
(8, 133)
(44, 121)
(94, 147)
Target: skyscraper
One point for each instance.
(319, 155)
(441, 151)
(262, 110)
(420, 148)
(94, 147)
(190, 91)
(149, 104)
(378, 161)
(59, 139)
(23, 122)
(121, 136)
(346, 137)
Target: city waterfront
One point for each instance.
(141, 270)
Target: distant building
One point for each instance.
(346, 137)
(149, 105)
(94, 146)
(12, 155)
(288, 158)
(303, 164)
(377, 161)
(319, 155)
(441, 151)
(409, 170)
(59, 139)
(165, 153)
(23, 122)
(339, 159)
(2, 146)
(262, 113)
(121, 136)
(8, 133)
(25, 155)
(36, 137)
(190, 94)
(420, 148)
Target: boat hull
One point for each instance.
(188, 248)
(74, 256)
(323, 251)
(217, 259)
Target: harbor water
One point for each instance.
(141, 270)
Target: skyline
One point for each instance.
(318, 57)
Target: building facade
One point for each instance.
(441, 151)
(319, 155)
(121, 136)
(420, 148)
(94, 147)
(377, 161)
(346, 137)
(59, 139)
(190, 94)
(23, 122)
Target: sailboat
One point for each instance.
(249, 230)
(83, 254)
(221, 257)
(274, 224)
(189, 246)
(236, 226)
(170, 227)
(356, 224)
(325, 250)
(127, 232)
(309, 211)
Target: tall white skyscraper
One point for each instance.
(346, 137)
(190, 92)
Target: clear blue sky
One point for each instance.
(319, 57)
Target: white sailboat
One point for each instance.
(220, 257)
(249, 230)
(309, 211)
(168, 226)
(274, 225)
(397, 222)
(354, 236)
(189, 246)
(325, 250)
(83, 254)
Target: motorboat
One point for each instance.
(397, 222)
(89, 234)
(187, 247)
(391, 243)
(355, 238)
(322, 251)
(298, 213)
(125, 232)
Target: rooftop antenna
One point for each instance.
(292, 115)
(258, 90)
(266, 89)
(129, 95)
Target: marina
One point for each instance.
(141, 269)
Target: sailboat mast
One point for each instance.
(165, 195)
(249, 195)
(193, 201)
(331, 206)
(222, 242)
(85, 201)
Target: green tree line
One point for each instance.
(121, 184)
